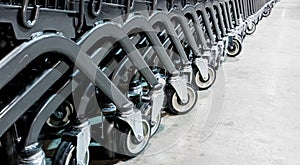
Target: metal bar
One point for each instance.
(48, 108)
(162, 18)
(229, 14)
(114, 31)
(25, 53)
(191, 10)
(113, 4)
(200, 8)
(157, 46)
(220, 18)
(14, 111)
(214, 21)
(236, 21)
(179, 16)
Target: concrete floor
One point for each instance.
(252, 114)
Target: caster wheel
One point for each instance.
(61, 117)
(267, 12)
(251, 28)
(127, 143)
(175, 106)
(155, 126)
(235, 49)
(66, 155)
(202, 84)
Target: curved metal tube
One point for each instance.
(113, 30)
(239, 12)
(176, 80)
(191, 10)
(49, 108)
(161, 17)
(214, 20)
(227, 6)
(179, 16)
(13, 112)
(217, 9)
(201, 8)
(18, 59)
(87, 42)
(234, 12)
(225, 15)
(144, 25)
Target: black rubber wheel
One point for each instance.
(251, 28)
(61, 117)
(235, 49)
(202, 84)
(175, 106)
(66, 154)
(128, 145)
(267, 11)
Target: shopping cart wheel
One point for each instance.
(235, 49)
(251, 28)
(205, 84)
(127, 143)
(176, 106)
(66, 155)
(61, 117)
(267, 11)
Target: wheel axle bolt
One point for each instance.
(140, 138)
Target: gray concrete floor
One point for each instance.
(252, 114)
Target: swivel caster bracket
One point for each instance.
(134, 120)
(157, 100)
(202, 66)
(179, 85)
(81, 136)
